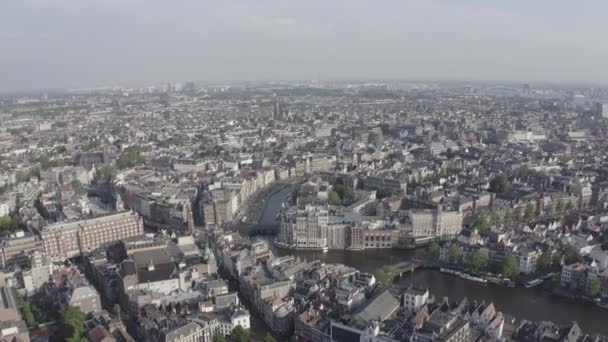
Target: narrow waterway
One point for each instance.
(533, 304)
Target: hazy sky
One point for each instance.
(83, 43)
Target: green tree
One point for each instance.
(594, 287)
(345, 193)
(553, 282)
(382, 192)
(556, 260)
(105, 171)
(78, 187)
(73, 322)
(499, 184)
(478, 260)
(239, 334)
(433, 250)
(482, 221)
(529, 212)
(494, 218)
(384, 275)
(571, 255)
(269, 338)
(20, 176)
(116, 309)
(28, 314)
(454, 253)
(130, 156)
(559, 206)
(10, 223)
(510, 266)
(544, 262)
(334, 198)
(508, 216)
(219, 338)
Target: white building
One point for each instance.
(414, 299)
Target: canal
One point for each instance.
(533, 304)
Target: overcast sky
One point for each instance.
(85, 43)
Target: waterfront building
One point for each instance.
(414, 298)
(527, 260)
(305, 228)
(437, 223)
(578, 276)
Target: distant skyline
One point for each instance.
(49, 44)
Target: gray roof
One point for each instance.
(178, 334)
(379, 307)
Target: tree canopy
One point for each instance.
(130, 157)
(478, 260)
(28, 314)
(529, 212)
(346, 194)
(239, 334)
(219, 338)
(510, 266)
(485, 219)
(544, 261)
(454, 253)
(382, 192)
(334, 198)
(384, 275)
(571, 255)
(594, 287)
(500, 184)
(269, 338)
(78, 187)
(73, 322)
(10, 223)
(433, 250)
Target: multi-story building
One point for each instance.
(578, 276)
(354, 238)
(38, 273)
(336, 236)
(314, 163)
(437, 223)
(69, 239)
(305, 228)
(390, 184)
(190, 332)
(308, 326)
(16, 250)
(380, 238)
(415, 298)
(527, 260)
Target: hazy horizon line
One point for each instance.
(234, 82)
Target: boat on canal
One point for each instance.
(473, 278)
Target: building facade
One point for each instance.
(69, 239)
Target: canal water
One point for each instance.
(533, 304)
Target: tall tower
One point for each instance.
(277, 109)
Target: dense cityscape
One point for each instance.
(310, 211)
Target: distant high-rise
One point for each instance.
(276, 114)
(189, 88)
